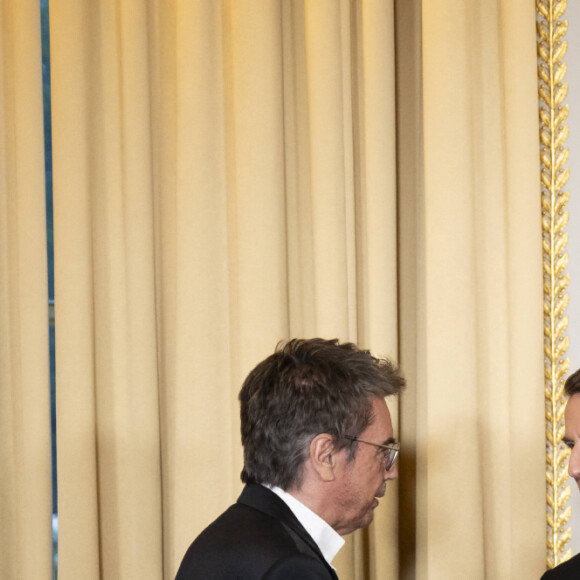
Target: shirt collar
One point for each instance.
(328, 541)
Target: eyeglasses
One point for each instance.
(390, 451)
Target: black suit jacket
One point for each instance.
(258, 538)
(569, 570)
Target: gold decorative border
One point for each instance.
(552, 89)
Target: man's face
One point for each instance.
(572, 437)
(365, 478)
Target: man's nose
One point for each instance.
(393, 473)
(574, 464)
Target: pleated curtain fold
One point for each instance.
(471, 293)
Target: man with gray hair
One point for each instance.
(318, 453)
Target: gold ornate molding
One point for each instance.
(553, 89)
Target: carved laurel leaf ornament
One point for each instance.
(552, 92)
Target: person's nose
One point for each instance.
(574, 464)
(393, 473)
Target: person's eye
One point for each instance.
(569, 443)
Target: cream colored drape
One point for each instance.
(471, 293)
(225, 176)
(25, 472)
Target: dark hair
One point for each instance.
(305, 388)
(572, 384)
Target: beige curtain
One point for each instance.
(225, 176)
(25, 475)
(471, 293)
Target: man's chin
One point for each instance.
(370, 515)
(362, 523)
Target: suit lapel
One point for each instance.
(261, 498)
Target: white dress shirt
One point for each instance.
(328, 541)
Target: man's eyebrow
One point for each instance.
(389, 441)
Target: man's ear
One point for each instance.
(323, 457)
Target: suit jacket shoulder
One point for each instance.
(257, 538)
(569, 570)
